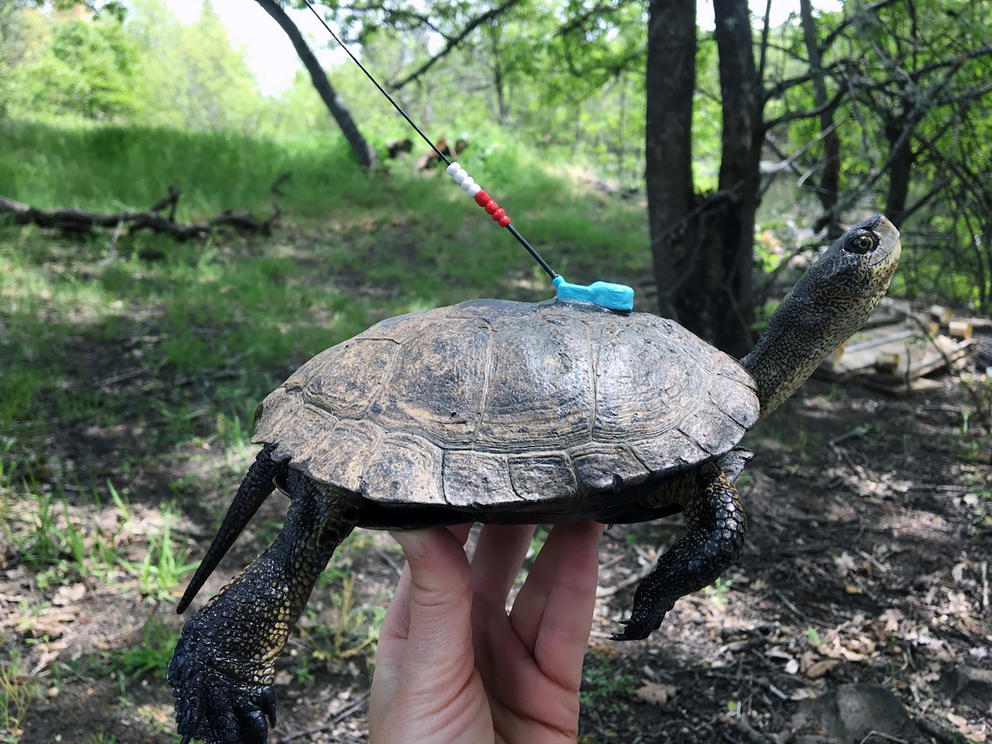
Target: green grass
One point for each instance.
(62, 543)
(351, 630)
(110, 167)
(606, 683)
(149, 657)
(17, 690)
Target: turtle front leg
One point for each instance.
(223, 667)
(716, 521)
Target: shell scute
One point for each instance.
(542, 477)
(738, 401)
(475, 479)
(345, 449)
(540, 391)
(437, 383)
(607, 468)
(669, 452)
(639, 390)
(710, 429)
(348, 379)
(403, 468)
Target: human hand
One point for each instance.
(453, 666)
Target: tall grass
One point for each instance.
(105, 167)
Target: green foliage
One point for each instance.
(85, 67)
(350, 630)
(60, 544)
(43, 545)
(718, 591)
(159, 571)
(913, 75)
(193, 77)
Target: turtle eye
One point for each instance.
(861, 242)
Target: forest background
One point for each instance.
(702, 165)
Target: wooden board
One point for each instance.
(894, 356)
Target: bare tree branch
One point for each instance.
(765, 30)
(579, 21)
(362, 149)
(453, 42)
(401, 13)
(857, 15)
(809, 113)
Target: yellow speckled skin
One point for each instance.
(831, 301)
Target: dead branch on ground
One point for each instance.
(72, 220)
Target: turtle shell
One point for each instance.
(493, 404)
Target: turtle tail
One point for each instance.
(258, 483)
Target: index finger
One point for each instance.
(552, 614)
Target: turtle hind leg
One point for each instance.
(223, 668)
(716, 521)
(258, 483)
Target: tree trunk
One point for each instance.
(703, 247)
(900, 165)
(363, 151)
(740, 174)
(498, 82)
(670, 83)
(829, 186)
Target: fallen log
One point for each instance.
(72, 220)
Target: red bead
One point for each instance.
(491, 206)
(481, 198)
(504, 221)
(499, 214)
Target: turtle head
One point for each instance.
(831, 301)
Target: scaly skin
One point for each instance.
(716, 521)
(223, 667)
(831, 301)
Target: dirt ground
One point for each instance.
(867, 562)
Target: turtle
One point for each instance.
(505, 412)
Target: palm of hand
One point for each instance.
(453, 666)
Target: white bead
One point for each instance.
(460, 177)
(467, 184)
(473, 190)
(452, 169)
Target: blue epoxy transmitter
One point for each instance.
(605, 294)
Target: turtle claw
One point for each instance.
(237, 715)
(645, 618)
(213, 706)
(636, 631)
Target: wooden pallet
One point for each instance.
(895, 356)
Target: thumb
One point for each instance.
(440, 602)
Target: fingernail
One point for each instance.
(413, 543)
